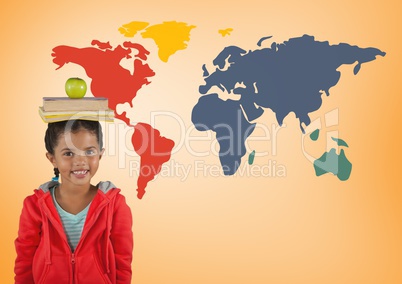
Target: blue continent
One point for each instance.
(287, 77)
(232, 128)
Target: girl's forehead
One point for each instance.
(77, 139)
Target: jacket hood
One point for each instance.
(104, 186)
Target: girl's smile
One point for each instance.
(80, 174)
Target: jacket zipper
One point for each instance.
(78, 245)
(73, 266)
(55, 224)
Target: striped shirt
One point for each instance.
(72, 224)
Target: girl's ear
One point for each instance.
(51, 158)
(101, 153)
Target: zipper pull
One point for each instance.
(72, 259)
(73, 266)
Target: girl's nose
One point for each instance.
(80, 159)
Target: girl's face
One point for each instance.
(77, 157)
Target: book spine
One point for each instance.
(75, 105)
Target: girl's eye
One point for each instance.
(68, 154)
(90, 152)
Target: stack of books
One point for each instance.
(64, 108)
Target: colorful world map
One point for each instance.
(287, 77)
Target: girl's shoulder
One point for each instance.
(47, 186)
(106, 186)
(109, 190)
(40, 192)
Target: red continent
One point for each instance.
(154, 151)
(109, 78)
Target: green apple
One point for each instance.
(76, 88)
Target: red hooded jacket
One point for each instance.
(103, 254)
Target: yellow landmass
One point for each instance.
(169, 37)
(131, 29)
(225, 31)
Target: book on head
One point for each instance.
(66, 103)
(55, 116)
(61, 108)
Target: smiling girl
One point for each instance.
(73, 231)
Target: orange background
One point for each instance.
(297, 229)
